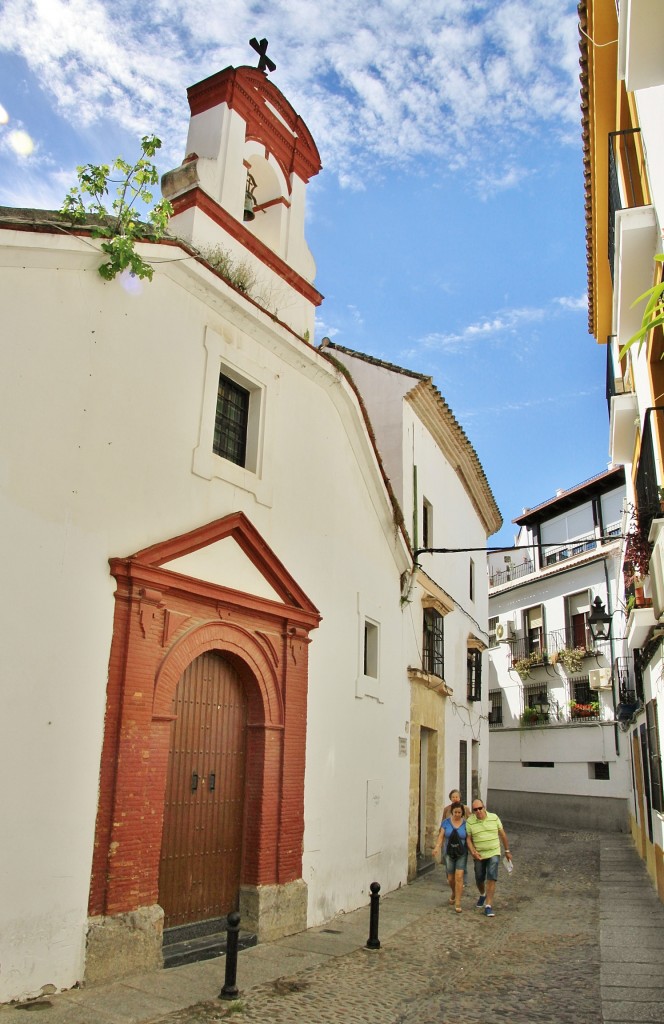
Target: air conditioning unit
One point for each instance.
(505, 630)
(599, 679)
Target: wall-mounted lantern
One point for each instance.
(599, 621)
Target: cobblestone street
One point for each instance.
(578, 937)
(537, 960)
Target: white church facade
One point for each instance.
(207, 673)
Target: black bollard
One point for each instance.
(373, 942)
(230, 989)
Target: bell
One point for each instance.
(249, 199)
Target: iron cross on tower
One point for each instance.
(261, 49)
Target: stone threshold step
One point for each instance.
(203, 940)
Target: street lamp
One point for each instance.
(599, 621)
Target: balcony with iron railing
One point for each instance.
(633, 233)
(550, 555)
(648, 491)
(512, 572)
(581, 703)
(625, 189)
(628, 679)
(556, 648)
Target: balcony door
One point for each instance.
(577, 611)
(533, 627)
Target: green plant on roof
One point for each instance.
(120, 225)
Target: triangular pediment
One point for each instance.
(229, 553)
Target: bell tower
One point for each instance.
(242, 184)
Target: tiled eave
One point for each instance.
(437, 416)
(450, 437)
(593, 487)
(587, 173)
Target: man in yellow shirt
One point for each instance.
(485, 833)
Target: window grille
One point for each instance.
(474, 662)
(531, 694)
(230, 425)
(433, 643)
(581, 692)
(496, 709)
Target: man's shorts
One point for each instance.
(487, 870)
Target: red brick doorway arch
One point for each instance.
(163, 621)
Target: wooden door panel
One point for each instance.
(201, 852)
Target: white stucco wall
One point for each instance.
(104, 391)
(650, 103)
(456, 524)
(409, 445)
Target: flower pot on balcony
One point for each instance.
(639, 597)
(584, 710)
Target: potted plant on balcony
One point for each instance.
(531, 716)
(638, 550)
(579, 710)
(571, 658)
(524, 665)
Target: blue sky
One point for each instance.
(448, 221)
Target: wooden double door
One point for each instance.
(201, 854)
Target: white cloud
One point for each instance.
(501, 324)
(505, 322)
(378, 83)
(573, 303)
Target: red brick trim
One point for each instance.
(251, 94)
(244, 647)
(163, 620)
(196, 197)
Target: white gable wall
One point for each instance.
(102, 412)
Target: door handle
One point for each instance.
(213, 780)
(194, 782)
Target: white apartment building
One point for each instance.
(557, 752)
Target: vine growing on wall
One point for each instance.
(120, 225)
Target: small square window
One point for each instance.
(236, 432)
(599, 770)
